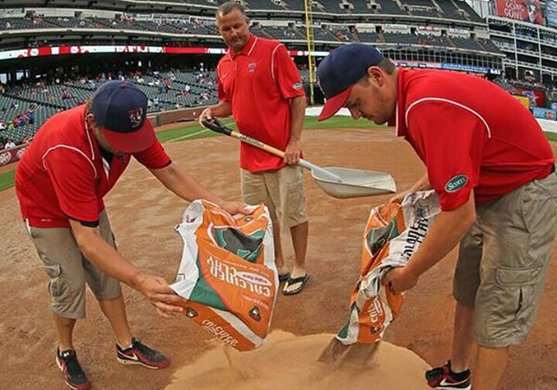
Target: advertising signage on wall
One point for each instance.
(525, 10)
(551, 13)
(133, 49)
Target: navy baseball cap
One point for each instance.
(342, 68)
(120, 109)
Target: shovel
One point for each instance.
(336, 182)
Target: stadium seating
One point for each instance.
(390, 7)
(57, 97)
(469, 44)
(264, 5)
(369, 37)
(401, 39)
(54, 97)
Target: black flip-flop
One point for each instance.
(284, 277)
(303, 279)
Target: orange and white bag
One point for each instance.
(228, 274)
(392, 235)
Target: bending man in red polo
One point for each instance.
(74, 160)
(259, 84)
(493, 169)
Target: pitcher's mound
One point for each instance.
(288, 362)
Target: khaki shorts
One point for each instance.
(69, 270)
(503, 261)
(281, 190)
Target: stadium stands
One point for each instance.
(181, 23)
(265, 5)
(48, 99)
(390, 7)
(369, 37)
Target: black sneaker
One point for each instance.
(139, 353)
(73, 374)
(444, 378)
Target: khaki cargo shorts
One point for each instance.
(281, 190)
(69, 270)
(503, 261)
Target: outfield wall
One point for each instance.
(547, 125)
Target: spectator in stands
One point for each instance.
(70, 228)
(3, 125)
(15, 121)
(8, 25)
(497, 193)
(278, 96)
(10, 144)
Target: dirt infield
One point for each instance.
(143, 214)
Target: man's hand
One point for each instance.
(400, 279)
(293, 151)
(398, 198)
(206, 114)
(157, 290)
(235, 207)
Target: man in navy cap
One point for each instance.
(492, 167)
(74, 160)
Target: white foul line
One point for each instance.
(188, 135)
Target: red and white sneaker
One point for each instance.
(73, 374)
(444, 378)
(139, 353)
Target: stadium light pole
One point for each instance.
(311, 49)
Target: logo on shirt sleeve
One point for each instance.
(297, 86)
(456, 183)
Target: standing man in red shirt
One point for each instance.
(259, 85)
(493, 169)
(74, 160)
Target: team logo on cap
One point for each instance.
(135, 117)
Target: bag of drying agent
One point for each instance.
(392, 235)
(228, 274)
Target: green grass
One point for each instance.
(336, 122)
(195, 131)
(7, 180)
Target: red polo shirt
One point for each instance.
(470, 133)
(258, 83)
(64, 175)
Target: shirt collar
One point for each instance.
(248, 48)
(91, 140)
(398, 119)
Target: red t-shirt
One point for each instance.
(470, 133)
(64, 175)
(258, 83)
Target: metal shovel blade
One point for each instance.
(354, 182)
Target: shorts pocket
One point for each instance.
(515, 300)
(295, 201)
(518, 277)
(54, 271)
